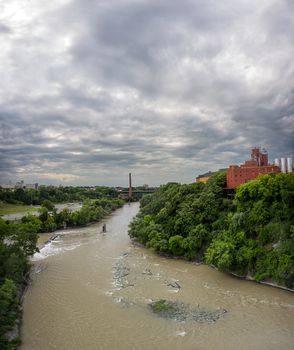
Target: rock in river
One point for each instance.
(182, 312)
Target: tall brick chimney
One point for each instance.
(130, 186)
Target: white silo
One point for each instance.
(283, 165)
(277, 162)
(289, 165)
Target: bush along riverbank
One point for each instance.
(18, 241)
(250, 236)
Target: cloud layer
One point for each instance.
(91, 90)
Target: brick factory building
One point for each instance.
(251, 169)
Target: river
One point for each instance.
(91, 291)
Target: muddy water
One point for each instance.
(90, 291)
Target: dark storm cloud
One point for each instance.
(4, 29)
(136, 44)
(91, 90)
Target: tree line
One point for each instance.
(55, 194)
(252, 235)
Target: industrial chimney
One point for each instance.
(130, 186)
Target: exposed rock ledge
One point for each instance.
(181, 312)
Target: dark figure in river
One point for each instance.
(104, 228)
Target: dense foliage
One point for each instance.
(253, 235)
(18, 242)
(55, 194)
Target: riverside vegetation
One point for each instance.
(18, 241)
(251, 236)
(55, 194)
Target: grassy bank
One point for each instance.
(7, 208)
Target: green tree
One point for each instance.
(8, 310)
(48, 205)
(175, 244)
(220, 254)
(43, 214)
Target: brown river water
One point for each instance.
(91, 291)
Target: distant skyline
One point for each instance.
(91, 90)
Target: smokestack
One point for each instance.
(130, 186)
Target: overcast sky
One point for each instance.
(91, 90)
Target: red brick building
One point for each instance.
(251, 169)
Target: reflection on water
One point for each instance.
(91, 291)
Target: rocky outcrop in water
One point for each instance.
(121, 271)
(174, 284)
(182, 312)
(175, 310)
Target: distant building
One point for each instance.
(205, 177)
(251, 169)
(32, 186)
(19, 185)
(8, 186)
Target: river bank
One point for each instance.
(11, 337)
(252, 233)
(247, 277)
(14, 335)
(266, 283)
